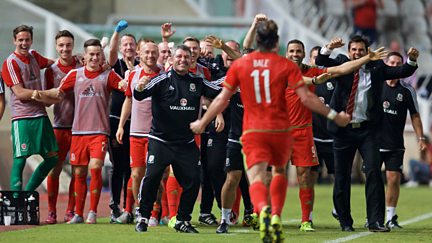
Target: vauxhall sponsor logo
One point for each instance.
(183, 106)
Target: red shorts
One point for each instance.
(198, 140)
(138, 151)
(271, 147)
(64, 138)
(84, 147)
(303, 149)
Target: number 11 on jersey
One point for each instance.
(256, 76)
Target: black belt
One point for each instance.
(356, 125)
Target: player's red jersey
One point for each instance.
(299, 115)
(92, 92)
(263, 80)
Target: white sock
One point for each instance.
(310, 216)
(390, 213)
(226, 212)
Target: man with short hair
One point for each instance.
(263, 77)
(120, 153)
(397, 97)
(176, 98)
(303, 150)
(90, 129)
(358, 94)
(32, 132)
(140, 113)
(63, 119)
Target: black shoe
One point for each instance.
(184, 226)
(335, 215)
(141, 225)
(115, 213)
(377, 227)
(208, 219)
(223, 228)
(393, 223)
(347, 228)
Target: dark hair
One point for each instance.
(184, 48)
(64, 33)
(23, 28)
(130, 35)
(357, 39)
(92, 42)
(267, 36)
(295, 41)
(317, 48)
(394, 53)
(191, 38)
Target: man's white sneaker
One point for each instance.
(153, 222)
(91, 217)
(76, 219)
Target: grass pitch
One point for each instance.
(413, 203)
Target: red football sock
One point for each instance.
(278, 189)
(173, 195)
(164, 200)
(236, 206)
(259, 194)
(53, 188)
(156, 210)
(71, 201)
(80, 193)
(95, 188)
(306, 201)
(129, 197)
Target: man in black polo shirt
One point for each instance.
(176, 99)
(397, 97)
(119, 153)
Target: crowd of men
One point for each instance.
(175, 120)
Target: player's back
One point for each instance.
(263, 79)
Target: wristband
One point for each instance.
(421, 138)
(314, 80)
(331, 115)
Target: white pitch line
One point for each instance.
(362, 234)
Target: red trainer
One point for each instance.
(52, 218)
(68, 216)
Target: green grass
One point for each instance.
(413, 202)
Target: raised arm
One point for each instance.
(220, 44)
(167, 32)
(115, 41)
(323, 58)
(351, 66)
(250, 35)
(405, 70)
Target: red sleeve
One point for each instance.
(128, 91)
(232, 81)
(11, 73)
(49, 78)
(113, 80)
(68, 82)
(42, 61)
(207, 74)
(316, 71)
(295, 77)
